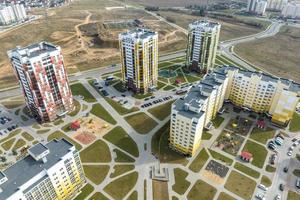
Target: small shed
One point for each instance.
(246, 156)
(261, 124)
(75, 125)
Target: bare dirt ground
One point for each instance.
(70, 27)
(278, 55)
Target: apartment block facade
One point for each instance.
(255, 91)
(291, 10)
(51, 171)
(139, 59)
(43, 78)
(257, 6)
(203, 39)
(12, 13)
(276, 5)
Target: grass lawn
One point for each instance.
(266, 181)
(98, 196)
(141, 122)
(11, 135)
(27, 136)
(220, 157)
(206, 135)
(164, 64)
(201, 190)
(240, 185)
(58, 122)
(160, 142)
(120, 87)
(96, 173)
(121, 139)
(191, 78)
(120, 187)
(298, 157)
(168, 87)
(258, 151)
(122, 157)
(160, 85)
(133, 196)
(142, 96)
(101, 112)
(119, 108)
(85, 191)
(269, 168)
(96, 152)
(296, 172)
(20, 143)
(160, 190)
(261, 135)
(162, 111)
(199, 161)
(295, 123)
(246, 170)
(79, 89)
(42, 131)
(7, 145)
(121, 169)
(181, 184)
(293, 196)
(74, 112)
(217, 121)
(58, 135)
(225, 196)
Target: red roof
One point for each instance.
(261, 123)
(75, 125)
(246, 155)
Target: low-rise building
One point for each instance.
(50, 171)
(255, 91)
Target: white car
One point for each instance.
(260, 196)
(289, 153)
(278, 197)
(261, 186)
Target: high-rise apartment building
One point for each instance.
(257, 6)
(50, 171)
(43, 79)
(203, 39)
(12, 13)
(259, 92)
(276, 4)
(291, 10)
(139, 58)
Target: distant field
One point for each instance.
(173, 3)
(278, 55)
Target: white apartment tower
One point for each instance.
(276, 5)
(291, 10)
(257, 6)
(50, 171)
(255, 91)
(139, 58)
(42, 76)
(203, 39)
(12, 13)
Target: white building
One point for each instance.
(50, 171)
(291, 10)
(276, 4)
(257, 6)
(12, 13)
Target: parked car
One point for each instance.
(289, 153)
(286, 169)
(298, 183)
(277, 197)
(260, 196)
(281, 187)
(264, 188)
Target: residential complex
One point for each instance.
(50, 171)
(139, 58)
(257, 7)
(43, 79)
(203, 39)
(276, 4)
(255, 91)
(291, 10)
(12, 13)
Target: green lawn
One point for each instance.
(271, 169)
(206, 135)
(79, 89)
(162, 111)
(199, 161)
(295, 123)
(293, 196)
(119, 108)
(141, 122)
(217, 121)
(168, 87)
(296, 172)
(261, 135)
(58, 135)
(96, 152)
(240, 185)
(120, 87)
(181, 184)
(220, 157)
(122, 157)
(142, 96)
(121, 139)
(258, 151)
(58, 122)
(246, 170)
(101, 112)
(225, 196)
(85, 191)
(133, 196)
(98, 196)
(20, 143)
(11, 135)
(121, 169)
(7, 145)
(201, 190)
(120, 187)
(191, 78)
(298, 157)
(160, 85)
(27, 136)
(266, 181)
(96, 173)
(76, 110)
(42, 131)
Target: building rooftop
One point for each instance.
(207, 25)
(26, 168)
(139, 33)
